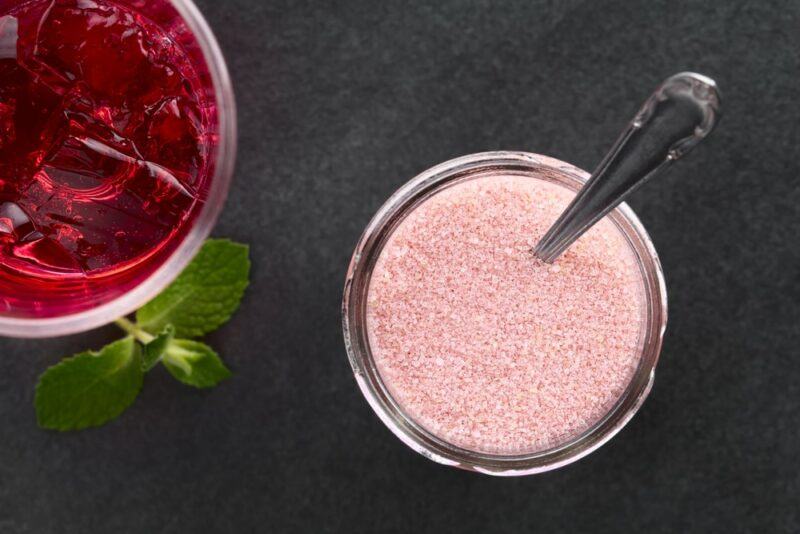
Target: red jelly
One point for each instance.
(105, 137)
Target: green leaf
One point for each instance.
(90, 388)
(194, 363)
(205, 295)
(154, 351)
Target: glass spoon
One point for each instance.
(677, 116)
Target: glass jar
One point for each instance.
(182, 21)
(357, 342)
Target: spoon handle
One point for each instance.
(681, 113)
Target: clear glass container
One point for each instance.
(182, 21)
(354, 307)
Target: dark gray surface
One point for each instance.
(340, 103)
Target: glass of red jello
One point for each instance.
(117, 144)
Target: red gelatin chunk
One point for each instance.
(102, 146)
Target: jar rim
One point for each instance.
(369, 247)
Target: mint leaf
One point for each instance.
(194, 363)
(205, 295)
(90, 388)
(154, 351)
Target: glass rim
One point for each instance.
(225, 156)
(369, 247)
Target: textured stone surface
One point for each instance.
(340, 103)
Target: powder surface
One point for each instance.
(488, 348)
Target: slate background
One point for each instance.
(342, 102)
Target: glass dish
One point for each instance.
(184, 24)
(404, 201)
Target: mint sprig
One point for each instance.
(94, 387)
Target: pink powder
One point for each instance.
(488, 348)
